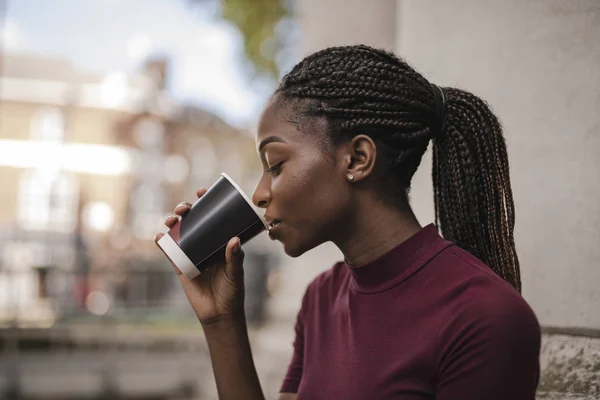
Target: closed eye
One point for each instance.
(275, 169)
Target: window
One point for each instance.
(48, 125)
(48, 197)
(147, 203)
(48, 201)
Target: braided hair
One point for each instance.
(362, 90)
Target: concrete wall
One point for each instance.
(342, 22)
(538, 64)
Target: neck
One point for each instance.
(374, 231)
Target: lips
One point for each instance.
(271, 222)
(274, 227)
(274, 223)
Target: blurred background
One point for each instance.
(114, 111)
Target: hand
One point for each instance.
(218, 292)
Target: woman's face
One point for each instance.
(303, 191)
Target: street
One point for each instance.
(115, 374)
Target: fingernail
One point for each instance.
(237, 247)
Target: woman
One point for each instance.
(407, 314)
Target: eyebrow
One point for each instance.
(295, 123)
(270, 139)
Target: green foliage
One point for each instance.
(256, 21)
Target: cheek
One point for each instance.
(309, 191)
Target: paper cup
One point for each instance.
(199, 239)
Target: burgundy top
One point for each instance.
(425, 321)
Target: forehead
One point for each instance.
(283, 118)
(276, 119)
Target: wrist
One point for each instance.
(224, 322)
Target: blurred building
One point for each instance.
(90, 166)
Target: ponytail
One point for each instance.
(472, 194)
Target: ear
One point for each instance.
(360, 157)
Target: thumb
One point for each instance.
(234, 260)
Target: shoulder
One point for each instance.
(489, 334)
(485, 308)
(496, 313)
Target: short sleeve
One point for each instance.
(292, 379)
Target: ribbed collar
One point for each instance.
(398, 264)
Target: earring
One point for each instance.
(350, 177)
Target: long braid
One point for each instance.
(471, 124)
(359, 89)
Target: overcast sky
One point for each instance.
(114, 35)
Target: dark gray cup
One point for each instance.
(199, 239)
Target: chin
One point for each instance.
(293, 251)
(296, 249)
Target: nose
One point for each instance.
(262, 194)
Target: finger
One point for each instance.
(158, 236)
(182, 208)
(171, 220)
(234, 259)
(200, 192)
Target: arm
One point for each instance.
(494, 356)
(217, 298)
(231, 357)
(226, 342)
(287, 396)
